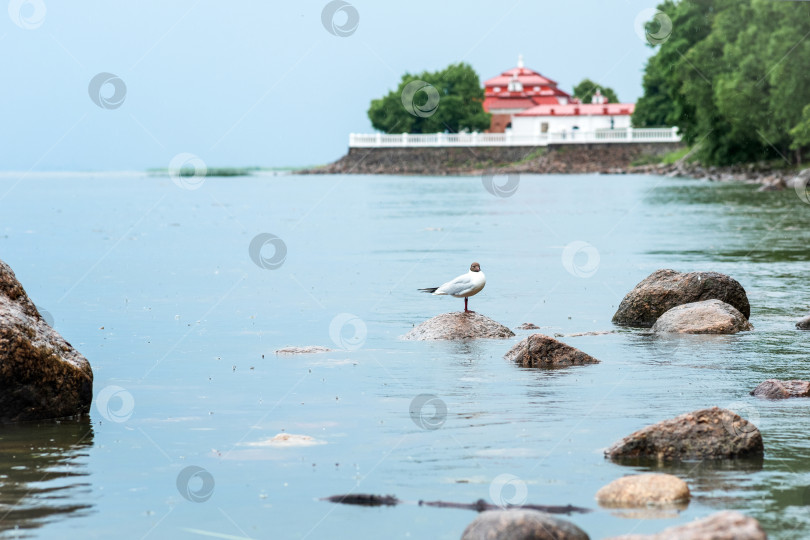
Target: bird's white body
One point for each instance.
(464, 286)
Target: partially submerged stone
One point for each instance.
(41, 375)
(705, 317)
(528, 326)
(804, 323)
(776, 389)
(642, 490)
(541, 351)
(726, 525)
(459, 326)
(712, 433)
(664, 289)
(521, 525)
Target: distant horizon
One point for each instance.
(119, 87)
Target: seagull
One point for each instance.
(463, 286)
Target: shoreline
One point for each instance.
(608, 159)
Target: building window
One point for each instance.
(544, 127)
(496, 89)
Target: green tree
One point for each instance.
(801, 131)
(662, 103)
(732, 76)
(449, 100)
(587, 88)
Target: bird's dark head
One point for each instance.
(475, 267)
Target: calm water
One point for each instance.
(155, 285)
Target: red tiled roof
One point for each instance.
(581, 109)
(517, 101)
(525, 75)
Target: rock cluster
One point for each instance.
(753, 173)
(665, 289)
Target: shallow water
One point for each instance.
(155, 285)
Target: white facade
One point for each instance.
(536, 125)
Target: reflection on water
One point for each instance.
(43, 473)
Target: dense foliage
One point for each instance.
(449, 100)
(733, 76)
(587, 88)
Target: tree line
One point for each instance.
(734, 76)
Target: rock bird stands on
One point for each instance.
(463, 286)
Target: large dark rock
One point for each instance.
(706, 317)
(664, 289)
(725, 525)
(541, 351)
(521, 525)
(776, 389)
(41, 374)
(804, 323)
(712, 433)
(458, 326)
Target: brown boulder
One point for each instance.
(541, 351)
(642, 490)
(664, 289)
(776, 389)
(521, 525)
(712, 433)
(41, 375)
(458, 326)
(706, 317)
(726, 525)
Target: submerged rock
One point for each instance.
(776, 389)
(41, 375)
(641, 490)
(528, 326)
(458, 326)
(706, 317)
(521, 525)
(541, 351)
(712, 433)
(309, 349)
(664, 289)
(726, 525)
(804, 323)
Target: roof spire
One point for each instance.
(520, 61)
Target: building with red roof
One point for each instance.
(516, 90)
(525, 102)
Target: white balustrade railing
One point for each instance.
(623, 135)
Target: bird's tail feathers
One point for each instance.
(430, 289)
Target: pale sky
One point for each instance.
(263, 83)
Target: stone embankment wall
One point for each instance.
(557, 158)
